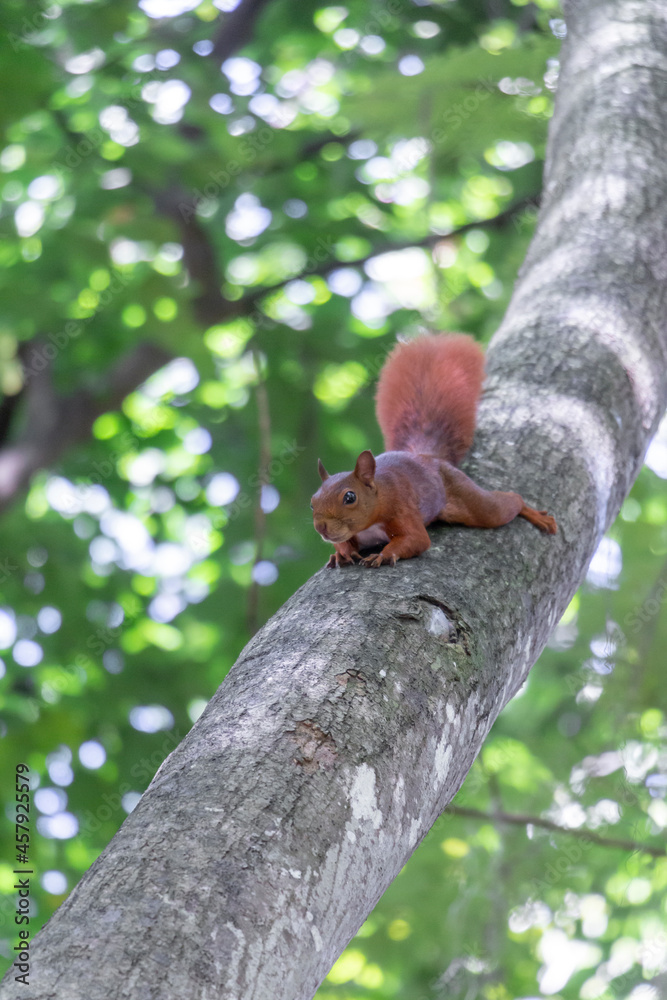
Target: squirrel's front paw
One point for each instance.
(337, 559)
(379, 559)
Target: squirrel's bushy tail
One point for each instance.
(427, 395)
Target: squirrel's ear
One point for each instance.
(365, 468)
(322, 471)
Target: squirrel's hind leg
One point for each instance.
(466, 503)
(540, 518)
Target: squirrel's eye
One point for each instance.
(349, 497)
(311, 507)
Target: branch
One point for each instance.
(516, 819)
(201, 257)
(237, 29)
(8, 410)
(54, 423)
(430, 240)
(264, 437)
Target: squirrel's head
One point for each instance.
(345, 503)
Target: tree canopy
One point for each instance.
(215, 220)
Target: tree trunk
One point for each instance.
(351, 719)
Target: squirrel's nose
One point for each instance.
(321, 526)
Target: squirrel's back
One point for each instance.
(427, 395)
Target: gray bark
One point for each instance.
(351, 719)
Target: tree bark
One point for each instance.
(351, 719)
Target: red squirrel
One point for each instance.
(426, 406)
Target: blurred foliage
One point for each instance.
(131, 171)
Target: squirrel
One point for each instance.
(426, 406)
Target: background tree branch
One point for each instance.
(518, 819)
(237, 28)
(54, 423)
